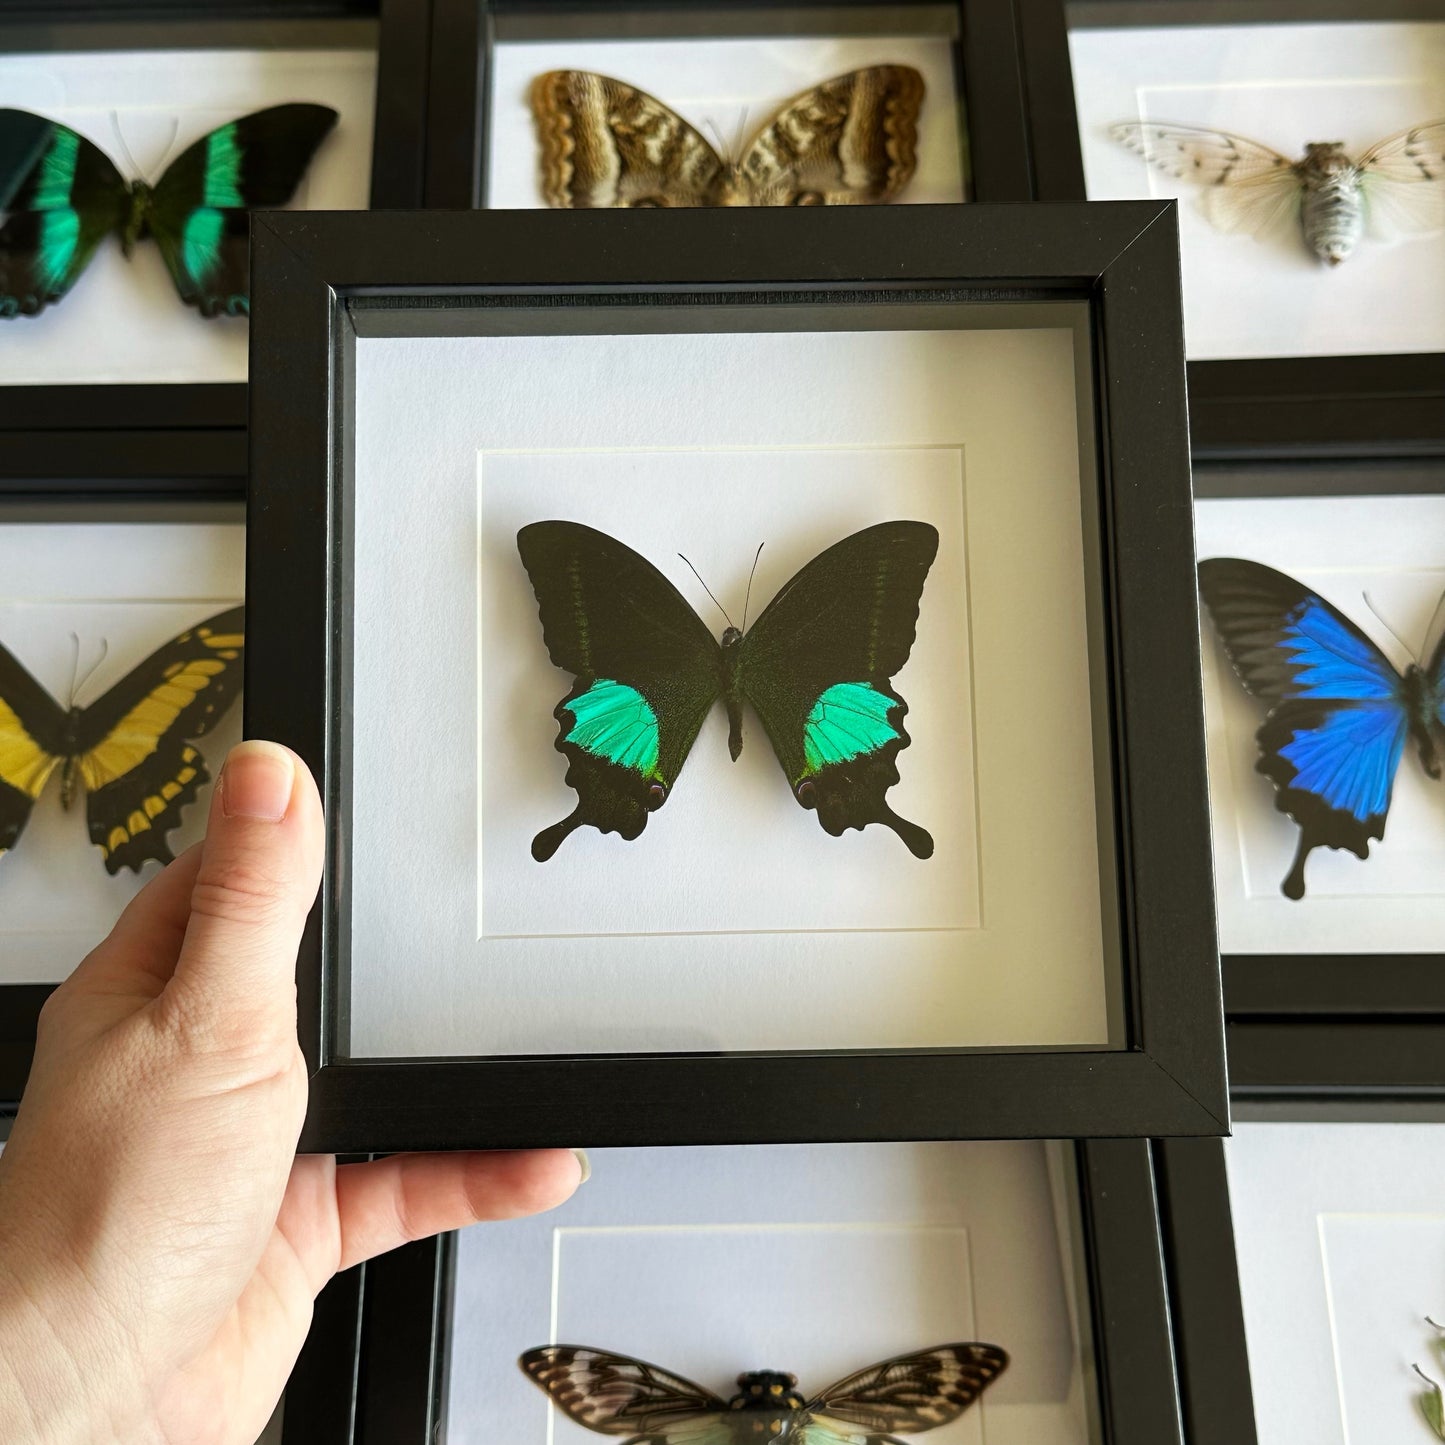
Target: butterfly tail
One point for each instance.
(1294, 882)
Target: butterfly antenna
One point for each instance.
(749, 597)
(1380, 618)
(708, 590)
(77, 683)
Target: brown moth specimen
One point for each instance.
(849, 141)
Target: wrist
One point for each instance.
(49, 1393)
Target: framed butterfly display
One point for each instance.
(126, 223)
(132, 155)
(730, 597)
(121, 652)
(1325, 717)
(1306, 149)
(810, 104)
(699, 1250)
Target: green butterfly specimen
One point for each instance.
(63, 197)
(816, 667)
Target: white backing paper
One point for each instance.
(727, 89)
(124, 590)
(1280, 85)
(733, 894)
(123, 320)
(1340, 1235)
(818, 1259)
(1379, 561)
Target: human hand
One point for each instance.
(160, 1243)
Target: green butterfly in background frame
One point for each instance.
(816, 667)
(62, 196)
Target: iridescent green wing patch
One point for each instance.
(615, 722)
(849, 720)
(60, 196)
(817, 668)
(647, 672)
(200, 210)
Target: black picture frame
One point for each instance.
(464, 36)
(1205, 1308)
(188, 440)
(317, 276)
(21, 1003)
(405, 1327)
(320, 1403)
(1318, 1028)
(1286, 407)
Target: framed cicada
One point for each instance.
(1395, 188)
(618, 1395)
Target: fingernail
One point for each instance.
(586, 1165)
(256, 781)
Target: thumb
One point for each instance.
(259, 870)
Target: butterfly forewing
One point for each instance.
(817, 668)
(200, 208)
(60, 196)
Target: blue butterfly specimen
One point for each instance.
(1339, 713)
(618, 1395)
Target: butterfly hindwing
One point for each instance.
(133, 743)
(1338, 720)
(199, 213)
(606, 143)
(852, 140)
(60, 195)
(817, 667)
(647, 671)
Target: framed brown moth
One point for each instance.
(851, 140)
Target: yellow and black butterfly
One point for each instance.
(618, 1395)
(130, 749)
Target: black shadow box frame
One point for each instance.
(188, 439)
(466, 32)
(322, 279)
(1323, 1028)
(1289, 407)
(1206, 1312)
(20, 1003)
(402, 1385)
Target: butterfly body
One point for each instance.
(129, 750)
(850, 140)
(816, 668)
(1394, 188)
(1340, 714)
(618, 1395)
(61, 196)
